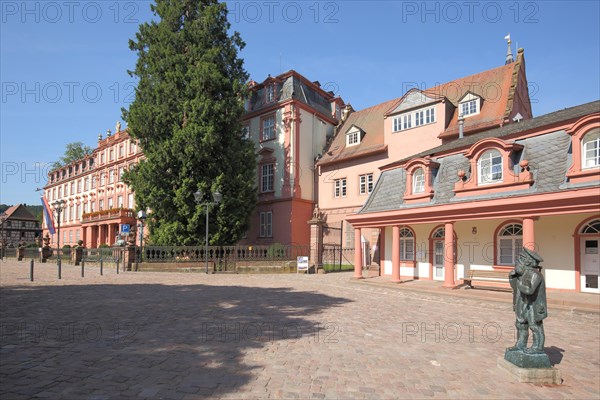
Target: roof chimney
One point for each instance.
(461, 126)
(509, 56)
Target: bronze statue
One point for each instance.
(529, 301)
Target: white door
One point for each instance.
(438, 260)
(590, 265)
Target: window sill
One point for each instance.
(584, 175)
(408, 264)
(523, 182)
(419, 197)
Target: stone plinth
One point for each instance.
(538, 376)
(525, 360)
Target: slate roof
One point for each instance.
(548, 155)
(292, 85)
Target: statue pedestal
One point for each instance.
(530, 368)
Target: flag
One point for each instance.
(48, 215)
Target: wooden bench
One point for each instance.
(485, 276)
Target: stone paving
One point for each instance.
(196, 336)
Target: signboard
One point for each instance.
(125, 229)
(302, 263)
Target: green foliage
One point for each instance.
(73, 152)
(186, 115)
(103, 246)
(337, 268)
(66, 246)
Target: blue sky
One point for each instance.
(63, 63)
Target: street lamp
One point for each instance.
(217, 199)
(142, 217)
(59, 207)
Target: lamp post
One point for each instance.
(59, 207)
(142, 217)
(217, 197)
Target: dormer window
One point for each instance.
(591, 149)
(469, 105)
(413, 119)
(270, 93)
(489, 167)
(352, 138)
(418, 181)
(493, 169)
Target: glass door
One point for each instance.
(590, 265)
(438, 260)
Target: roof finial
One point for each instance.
(509, 55)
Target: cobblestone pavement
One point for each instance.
(195, 336)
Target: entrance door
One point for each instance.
(438, 260)
(590, 265)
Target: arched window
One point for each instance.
(592, 227)
(489, 167)
(407, 245)
(439, 234)
(591, 149)
(418, 183)
(509, 244)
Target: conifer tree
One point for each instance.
(186, 117)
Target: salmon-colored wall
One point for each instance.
(411, 141)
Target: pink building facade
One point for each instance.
(381, 135)
(97, 200)
(290, 119)
(483, 197)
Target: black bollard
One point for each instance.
(101, 268)
(31, 270)
(82, 268)
(117, 266)
(59, 269)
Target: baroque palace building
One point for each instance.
(97, 200)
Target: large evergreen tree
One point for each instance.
(186, 115)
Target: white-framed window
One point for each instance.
(111, 176)
(407, 245)
(419, 118)
(72, 188)
(414, 119)
(110, 203)
(469, 107)
(102, 179)
(406, 121)
(111, 155)
(78, 212)
(121, 171)
(120, 151)
(430, 115)
(130, 202)
(93, 182)
(418, 181)
(268, 128)
(509, 244)
(270, 93)
(339, 187)
(100, 205)
(86, 183)
(92, 206)
(266, 224)
(120, 201)
(366, 183)
(102, 158)
(79, 186)
(70, 236)
(352, 138)
(77, 235)
(85, 208)
(591, 150)
(131, 147)
(489, 167)
(267, 177)
(397, 124)
(72, 213)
